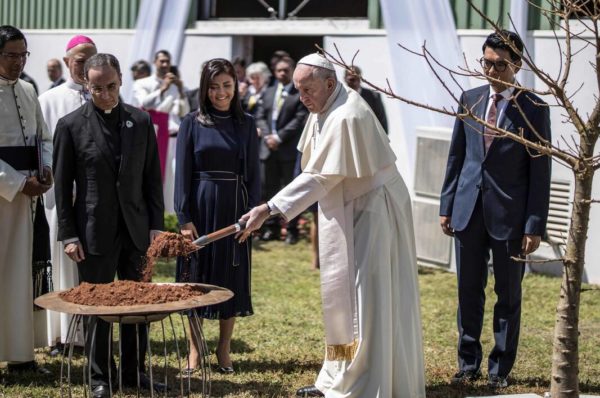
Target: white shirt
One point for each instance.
(147, 95)
(500, 105)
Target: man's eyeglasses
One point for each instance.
(97, 90)
(499, 66)
(15, 56)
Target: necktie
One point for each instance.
(488, 137)
(279, 97)
(277, 107)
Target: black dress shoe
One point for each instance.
(497, 382)
(30, 366)
(309, 391)
(466, 376)
(145, 384)
(269, 235)
(291, 238)
(101, 391)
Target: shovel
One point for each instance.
(219, 234)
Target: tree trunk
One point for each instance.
(565, 357)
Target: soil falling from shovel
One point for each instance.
(166, 245)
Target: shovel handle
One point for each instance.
(219, 234)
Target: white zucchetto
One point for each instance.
(316, 59)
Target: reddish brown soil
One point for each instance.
(120, 293)
(167, 244)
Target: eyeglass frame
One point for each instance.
(98, 90)
(484, 62)
(15, 56)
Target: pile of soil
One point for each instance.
(167, 244)
(120, 293)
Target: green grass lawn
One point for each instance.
(280, 348)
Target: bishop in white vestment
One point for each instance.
(21, 121)
(369, 285)
(56, 103)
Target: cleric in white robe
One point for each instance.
(56, 103)
(21, 121)
(163, 92)
(367, 253)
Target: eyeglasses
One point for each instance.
(499, 66)
(97, 90)
(15, 56)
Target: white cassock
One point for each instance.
(146, 94)
(16, 221)
(56, 103)
(369, 284)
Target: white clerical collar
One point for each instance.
(331, 98)
(109, 111)
(5, 82)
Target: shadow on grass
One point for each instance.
(238, 346)
(538, 382)
(423, 270)
(277, 366)
(255, 388)
(447, 390)
(220, 387)
(518, 385)
(27, 379)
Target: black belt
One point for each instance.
(216, 175)
(20, 157)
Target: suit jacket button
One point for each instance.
(118, 184)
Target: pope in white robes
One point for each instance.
(56, 103)
(21, 122)
(369, 285)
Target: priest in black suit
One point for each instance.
(280, 119)
(371, 97)
(108, 150)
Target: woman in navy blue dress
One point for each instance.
(216, 181)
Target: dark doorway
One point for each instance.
(297, 46)
(312, 9)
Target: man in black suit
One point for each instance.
(372, 97)
(280, 118)
(495, 198)
(108, 150)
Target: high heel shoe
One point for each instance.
(188, 372)
(223, 369)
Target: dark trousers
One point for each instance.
(473, 246)
(277, 174)
(124, 261)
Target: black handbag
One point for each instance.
(41, 256)
(42, 266)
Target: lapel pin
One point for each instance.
(129, 124)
